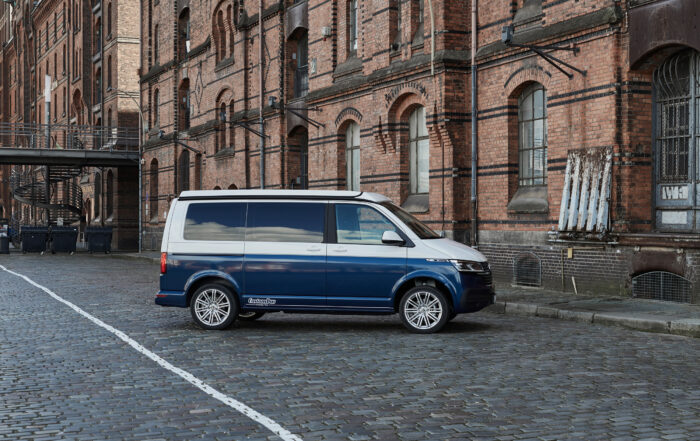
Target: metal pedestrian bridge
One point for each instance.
(47, 159)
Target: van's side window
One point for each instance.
(215, 221)
(360, 224)
(285, 222)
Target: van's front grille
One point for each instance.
(486, 277)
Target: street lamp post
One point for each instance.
(142, 126)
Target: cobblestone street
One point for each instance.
(321, 377)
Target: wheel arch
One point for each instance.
(199, 279)
(424, 278)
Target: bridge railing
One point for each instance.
(68, 137)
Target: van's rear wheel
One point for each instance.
(249, 316)
(213, 306)
(424, 310)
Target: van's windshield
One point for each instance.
(418, 227)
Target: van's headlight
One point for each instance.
(469, 266)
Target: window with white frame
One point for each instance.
(419, 152)
(532, 136)
(352, 156)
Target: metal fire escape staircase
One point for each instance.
(52, 188)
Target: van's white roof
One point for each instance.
(283, 194)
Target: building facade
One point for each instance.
(71, 68)
(585, 168)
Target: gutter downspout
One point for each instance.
(141, 135)
(261, 94)
(432, 38)
(475, 125)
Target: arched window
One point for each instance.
(397, 23)
(153, 196)
(198, 171)
(229, 26)
(109, 72)
(98, 195)
(231, 127)
(98, 37)
(223, 118)
(109, 195)
(155, 44)
(98, 85)
(109, 19)
(232, 187)
(220, 36)
(298, 143)
(183, 34)
(301, 75)
(417, 13)
(184, 107)
(532, 136)
(183, 172)
(352, 156)
(419, 152)
(156, 109)
(676, 132)
(352, 27)
(76, 23)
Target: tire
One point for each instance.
(213, 306)
(249, 316)
(424, 310)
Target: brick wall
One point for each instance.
(64, 45)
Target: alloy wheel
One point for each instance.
(212, 307)
(423, 310)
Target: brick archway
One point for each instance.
(524, 76)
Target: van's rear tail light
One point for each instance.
(163, 263)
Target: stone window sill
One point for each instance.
(350, 66)
(228, 152)
(531, 200)
(417, 203)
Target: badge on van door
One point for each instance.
(262, 302)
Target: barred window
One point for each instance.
(532, 130)
(674, 96)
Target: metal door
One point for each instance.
(676, 105)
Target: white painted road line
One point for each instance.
(254, 415)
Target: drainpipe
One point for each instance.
(141, 137)
(432, 38)
(261, 95)
(475, 138)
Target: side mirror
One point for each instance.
(392, 238)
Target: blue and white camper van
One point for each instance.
(239, 254)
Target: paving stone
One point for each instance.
(322, 377)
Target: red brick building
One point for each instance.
(586, 164)
(88, 50)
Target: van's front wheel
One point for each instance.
(213, 306)
(424, 310)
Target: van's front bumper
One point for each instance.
(171, 298)
(478, 292)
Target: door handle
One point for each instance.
(340, 250)
(313, 249)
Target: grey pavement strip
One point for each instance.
(680, 326)
(275, 428)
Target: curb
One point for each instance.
(684, 327)
(135, 257)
